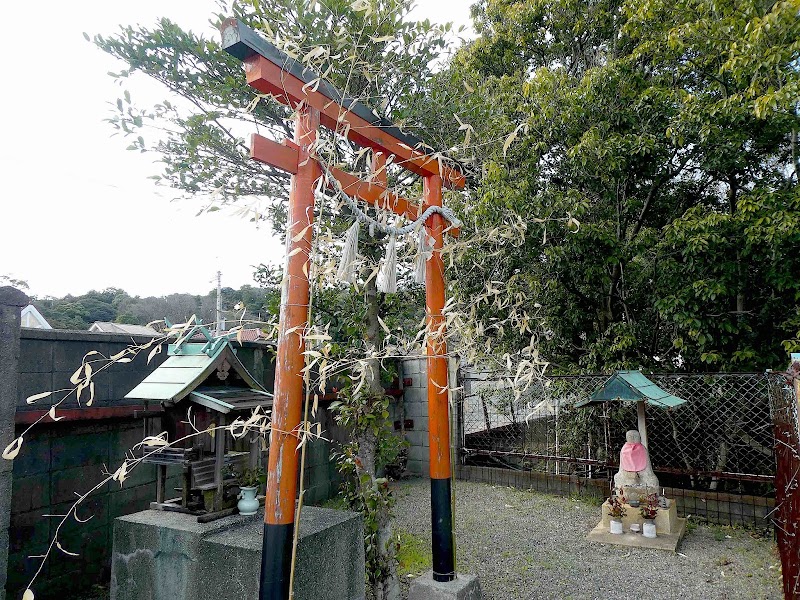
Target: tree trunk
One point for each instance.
(722, 462)
(388, 588)
(741, 270)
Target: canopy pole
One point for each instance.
(641, 423)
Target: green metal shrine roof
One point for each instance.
(190, 371)
(631, 386)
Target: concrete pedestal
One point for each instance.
(170, 556)
(464, 587)
(670, 529)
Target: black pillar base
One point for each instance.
(276, 562)
(442, 530)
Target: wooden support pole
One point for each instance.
(287, 406)
(161, 483)
(219, 463)
(641, 422)
(438, 395)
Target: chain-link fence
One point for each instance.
(716, 450)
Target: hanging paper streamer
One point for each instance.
(424, 248)
(387, 277)
(347, 266)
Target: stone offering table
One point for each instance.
(670, 529)
(161, 555)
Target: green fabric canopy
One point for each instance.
(631, 386)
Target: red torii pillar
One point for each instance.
(270, 71)
(279, 506)
(438, 396)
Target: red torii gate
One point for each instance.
(271, 71)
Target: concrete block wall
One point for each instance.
(59, 459)
(415, 399)
(48, 357)
(322, 477)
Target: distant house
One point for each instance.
(106, 327)
(33, 318)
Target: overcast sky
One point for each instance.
(78, 211)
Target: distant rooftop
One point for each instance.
(106, 327)
(33, 318)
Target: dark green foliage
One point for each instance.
(669, 131)
(115, 305)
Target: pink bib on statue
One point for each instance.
(633, 457)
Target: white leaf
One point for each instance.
(153, 352)
(67, 552)
(12, 449)
(300, 235)
(35, 397)
(155, 440)
(383, 326)
(52, 414)
(91, 394)
(121, 473)
(76, 376)
(28, 595)
(510, 139)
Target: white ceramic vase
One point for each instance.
(615, 527)
(649, 528)
(248, 503)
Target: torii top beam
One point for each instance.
(273, 72)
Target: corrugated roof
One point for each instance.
(632, 386)
(108, 327)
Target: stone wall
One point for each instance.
(11, 302)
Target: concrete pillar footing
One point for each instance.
(464, 587)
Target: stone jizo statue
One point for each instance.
(635, 475)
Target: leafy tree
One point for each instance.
(663, 133)
(9, 280)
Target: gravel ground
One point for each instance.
(525, 545)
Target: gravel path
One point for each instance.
(525, 545)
